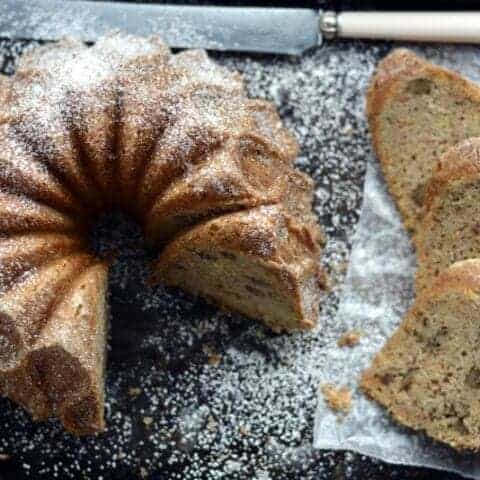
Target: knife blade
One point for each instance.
(251, 29)
(254, 29)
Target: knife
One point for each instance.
(254, 29)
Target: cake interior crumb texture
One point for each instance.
(450, 230)
(416, 111)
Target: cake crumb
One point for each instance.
(213, 358)
(351, 338)
(134, 391)
(338, 399)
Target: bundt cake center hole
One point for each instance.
(115, 236)
(119, 240)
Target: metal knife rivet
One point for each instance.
(328, 24)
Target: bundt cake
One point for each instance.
(416, 111)
(450, 228)
(174, 141)
(428, 375)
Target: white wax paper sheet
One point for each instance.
(377, 292)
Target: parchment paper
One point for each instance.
(377, 292)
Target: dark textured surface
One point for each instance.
(185, 422)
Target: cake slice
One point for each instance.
(416, 111)
(62, 374)
(450, 228)
(428, 375)
(261, 263)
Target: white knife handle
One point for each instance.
(454, 27)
